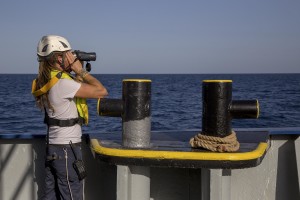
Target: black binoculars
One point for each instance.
(84, 56)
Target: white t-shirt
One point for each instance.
(61, 97)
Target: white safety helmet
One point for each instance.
(51, 43)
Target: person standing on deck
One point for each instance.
(62, 97)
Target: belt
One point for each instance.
(63, 122)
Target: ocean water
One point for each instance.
(176, 102)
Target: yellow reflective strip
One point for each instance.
(177, 155)
(217, 81)
(33, 86)
(136, 80)
(46, 87)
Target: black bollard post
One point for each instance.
(135, 110)
(137, 115)
(219, 109)
(217, 112)
(216, 97)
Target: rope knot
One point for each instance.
(216, 144)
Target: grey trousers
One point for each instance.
(61, 182)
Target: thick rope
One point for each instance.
(217, 144)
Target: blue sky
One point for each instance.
(158, 36)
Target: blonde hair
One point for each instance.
(44, 75)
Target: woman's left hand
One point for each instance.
(74, 63)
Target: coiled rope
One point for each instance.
(216, 144)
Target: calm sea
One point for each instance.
(176, 102)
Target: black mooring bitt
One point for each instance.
(219, 108)
(134, 108)
(134, 105)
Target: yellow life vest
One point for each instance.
(81, 104)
